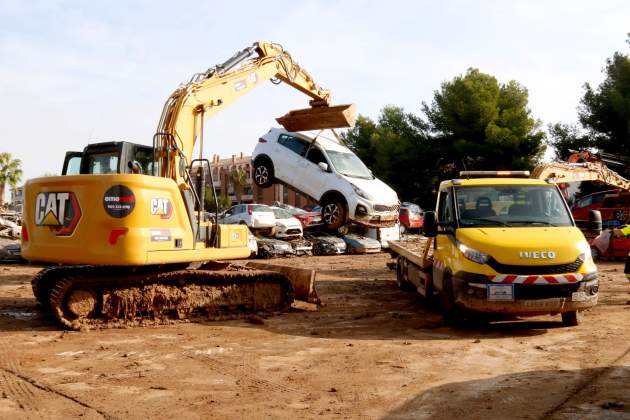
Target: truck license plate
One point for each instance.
(501, 292)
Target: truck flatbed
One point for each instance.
(414, 250)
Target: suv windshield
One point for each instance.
(511, 205)
(349, 164)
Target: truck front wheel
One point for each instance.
(453, 314)
(571, 318)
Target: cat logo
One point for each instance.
(161, 207)
(60, 211)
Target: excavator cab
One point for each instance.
(115, 157)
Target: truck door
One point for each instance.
(444, 243)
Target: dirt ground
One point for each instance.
(372, 352)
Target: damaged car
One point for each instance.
(326, 244)
(330, 173)
(301, 246)
(270, 247)
(359, 244)
(287, 226)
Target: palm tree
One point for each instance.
(10, 172)
(239, 181)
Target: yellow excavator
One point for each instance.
(124, 221)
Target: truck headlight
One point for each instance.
(361, 193)
(585, 251)
(473, 254)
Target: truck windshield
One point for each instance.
(511, 205)
(349, 164)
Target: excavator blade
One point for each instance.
(303, 280)
(318, 118)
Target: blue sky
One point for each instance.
(73, 72)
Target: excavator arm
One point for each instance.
(182, 120)
(562, 172)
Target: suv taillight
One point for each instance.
(249, 210)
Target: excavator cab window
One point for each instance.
(72, 163)
(103, 163)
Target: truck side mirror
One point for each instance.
(595, 222)
(323, 166)
(429, 226)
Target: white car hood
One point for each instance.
(380, 192)
(289, 223)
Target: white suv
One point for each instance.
(258, 217)
(328, 172)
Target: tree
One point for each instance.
(10, 173)
(565, 137)
(238, 178)
(399, 151)
(482, 124)
(605, 111)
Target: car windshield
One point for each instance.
(511, 205)
(413, 209)
(349, 164)
(281, 213)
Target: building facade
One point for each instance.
(17, 198)
(225, 183)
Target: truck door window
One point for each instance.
(298, 146)
(103, 163)
(445, 208)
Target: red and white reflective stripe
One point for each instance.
(558, 279)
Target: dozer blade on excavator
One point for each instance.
(318, 118)
(302, 280)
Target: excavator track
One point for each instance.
(86, 297)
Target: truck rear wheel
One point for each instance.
(402, 279)
(571, 318)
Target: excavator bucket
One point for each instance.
(303, 280)
(318, 118)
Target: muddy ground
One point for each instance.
(372, 352)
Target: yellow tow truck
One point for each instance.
(500, 242)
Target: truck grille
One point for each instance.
(535, 269)
(382, 207)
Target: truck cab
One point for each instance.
(509, 244)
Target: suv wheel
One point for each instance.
(333, 213)
(263, 174)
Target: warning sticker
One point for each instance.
(160, 235)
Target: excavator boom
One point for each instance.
(210, 92)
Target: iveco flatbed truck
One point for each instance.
(500, 243)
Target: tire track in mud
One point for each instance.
(246, 373)
(611, 366)
(23, 390)
(15, 388)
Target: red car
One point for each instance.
(411, 217)
(614, 206)
(606, 245)
(307, 218)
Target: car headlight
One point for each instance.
(361, 193)
(585, 250)
(473, 254)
